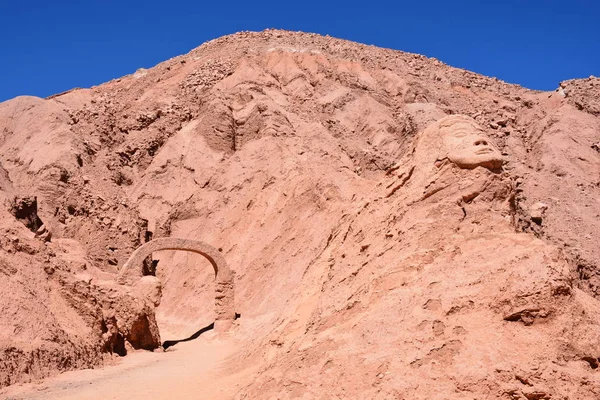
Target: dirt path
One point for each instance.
(190, 370)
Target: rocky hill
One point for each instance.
(398, 228)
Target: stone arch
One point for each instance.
(224, 276)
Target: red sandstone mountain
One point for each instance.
(368, 263)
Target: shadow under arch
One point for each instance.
(170, 343)
(224, 276)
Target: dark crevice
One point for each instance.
(114, 342)
(119, 345)
(121, 179)
(594, 362)
(25, 210)
(149, 266)
(64, 176)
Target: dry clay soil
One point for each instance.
(368, 263)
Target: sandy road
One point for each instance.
(189, 370)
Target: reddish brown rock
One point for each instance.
(398, 228)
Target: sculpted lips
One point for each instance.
(485, 150)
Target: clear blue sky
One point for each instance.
(50, 46)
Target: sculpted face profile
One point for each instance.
(461, 140)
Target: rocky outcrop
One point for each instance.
(398, 227)
(224, 276)
(423, 276)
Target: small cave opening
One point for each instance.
(140, 335)
(592, 361)
(25, 209)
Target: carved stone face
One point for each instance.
(467, 145)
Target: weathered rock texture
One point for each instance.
(373, 257)
(224, 276)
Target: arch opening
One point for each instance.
(224, 276)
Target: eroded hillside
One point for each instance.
(367, 263)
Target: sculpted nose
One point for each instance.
(481, 142)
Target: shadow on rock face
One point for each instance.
(169, 343)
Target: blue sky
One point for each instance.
(50, 46)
